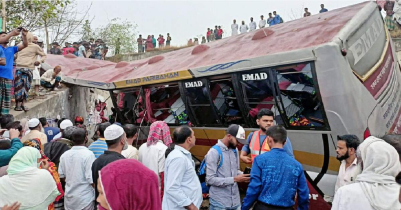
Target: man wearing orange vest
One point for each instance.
(256, 143)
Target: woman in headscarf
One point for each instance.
(34, 188)
(152, 153)
(35, 143)
(375, 188)
(127, 184)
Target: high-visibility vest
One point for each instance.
(255, 145)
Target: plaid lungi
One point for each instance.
(390, 23)
(22, 83)
(5, 95)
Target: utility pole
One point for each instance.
(3, 10)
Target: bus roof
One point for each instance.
(206, 59)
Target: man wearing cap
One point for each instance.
(116, 140)
(99, 146)
(63, 125)
(223, 191)
(36, 131)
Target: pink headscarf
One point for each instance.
(127, 184)
(159, 130)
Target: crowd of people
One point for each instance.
(149, 43)
(85, 49)
(44, 167)
(22, 66)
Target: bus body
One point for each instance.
(325, 75)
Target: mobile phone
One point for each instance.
(20, 28)
(247, 170)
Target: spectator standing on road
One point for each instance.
(140, 44)
(63, 124)
(262, 22)
(75, 168)
(223, 191)
(49, 131)
(168, 41)
(25, 65)
(131, 131)
(36, 131)
(6, 72)
(257, 141)
(323, 9)
(243, 28)
(99, 146)
(9, 149)
(234, 28)
(252, 25)
(116, 142)
(375, 188)
(182, 187)
(276, 177)
(307, 13)
(346, 153)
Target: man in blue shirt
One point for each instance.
(99, 146)
(323, 9)
(276, 20)
(49, 131)
(276, 178)
(6, 71)
(265, 119)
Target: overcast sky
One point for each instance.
(189, 19)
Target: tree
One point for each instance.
(116, 29)
(87, 32)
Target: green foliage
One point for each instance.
(87, 32)
(116, 29)
(31, 14)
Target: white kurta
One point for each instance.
(234, 29)
(262, 23)
(243, 29)
(347, 176)
(252, 26)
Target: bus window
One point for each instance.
(258, 93)
(297, 85)
(129, 103)
(225, 101)
(199, 100)
(167, 105)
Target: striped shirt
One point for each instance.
(98, 147)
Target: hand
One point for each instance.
(14, 206)
(15, 32)
(246, 159)
(191, 207)
(14, 133)
(2, 131)
(45, 164)
(242, 178)
(24, 32)
(54, 75)
(37, 63)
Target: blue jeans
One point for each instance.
(214, 205)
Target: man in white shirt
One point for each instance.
(132, 133)
(252, 25)
(262, 22)
(243, 28)
(234, 28)
(51, 78)
(81, 50)
(346, 153)
(182, 189)
(75, 168)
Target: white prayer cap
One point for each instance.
(65, 124)
(32, 123)
(113, 132)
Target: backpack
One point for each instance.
(202, 168)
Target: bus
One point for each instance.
(325, 75)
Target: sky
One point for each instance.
(191, 18)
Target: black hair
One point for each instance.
(59, 121)
(181, 134)
(394, 140)
(5, 119)
(130, 130)
(2, 33)
(351, 141)
(78, 136)
(15, 125)
(5, 144)
(278, 133)
(306, 7)
(43, 121)
(265, 112)
(111, 143)
(102, 127)
(398, 178)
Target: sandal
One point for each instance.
(18, 109)
(25, 108)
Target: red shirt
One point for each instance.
(220, 32)
(68, 50)
(208, 34)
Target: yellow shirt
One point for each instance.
(33, 134)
